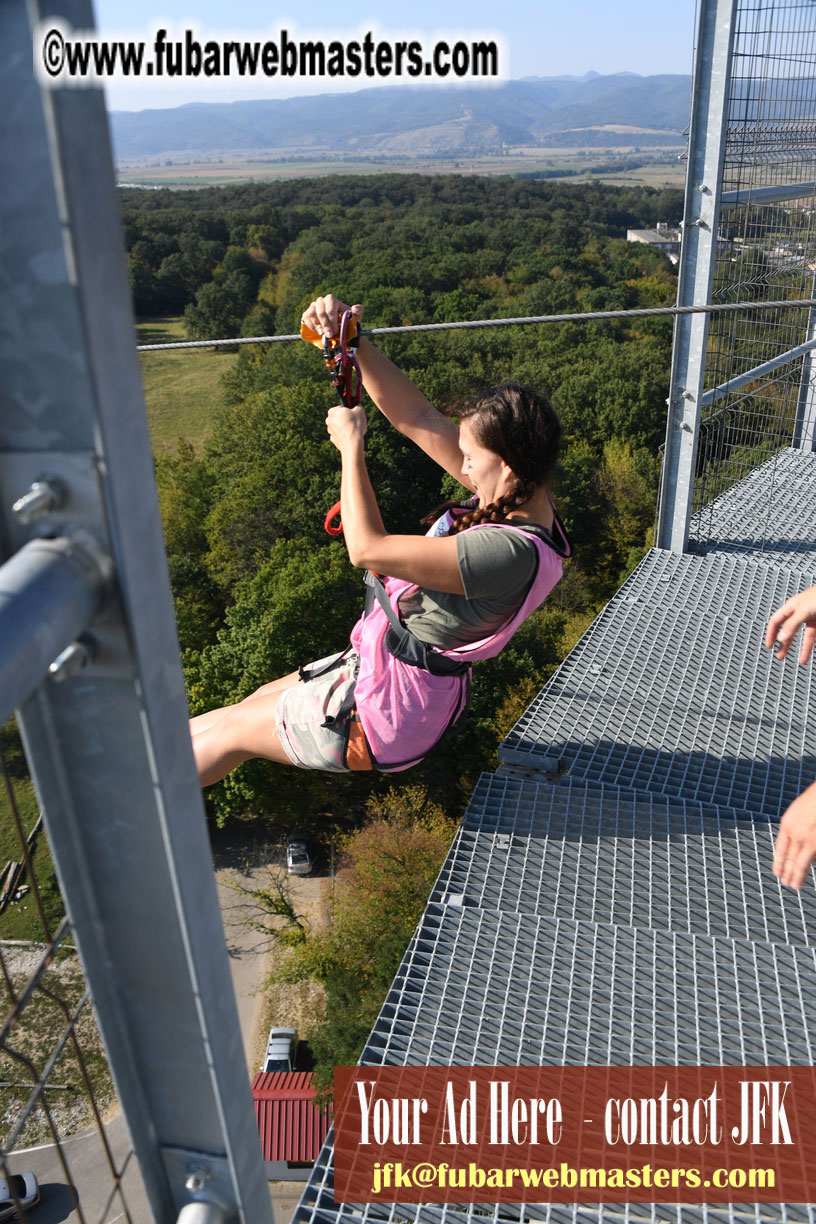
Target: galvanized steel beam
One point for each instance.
(709, 114)
(804, 430)
(775, 194)
(759, 371)
(110, 749)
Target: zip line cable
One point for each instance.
(646, 312)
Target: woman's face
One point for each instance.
(484, 471)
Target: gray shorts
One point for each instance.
(310, 717)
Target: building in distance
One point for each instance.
(664, 236)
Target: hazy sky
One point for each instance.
(539, 37)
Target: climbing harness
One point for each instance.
(401, 642)
(346, 375)
(408, 695)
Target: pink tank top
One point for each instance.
(405, 710)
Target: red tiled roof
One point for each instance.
(290, 1126)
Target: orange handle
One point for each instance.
(333, 513)
(313, 337)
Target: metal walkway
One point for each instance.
(579, 922)
(774, 505)
(673, 692)
(486, 988)
(608, 898)
(585, 851)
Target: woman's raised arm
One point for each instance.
(397, 398)
(428, 562)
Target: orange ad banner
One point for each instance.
(575, 1134)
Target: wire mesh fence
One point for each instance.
(56, 1096)
(766, 248)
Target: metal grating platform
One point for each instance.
(672, 690)
(478, 987)
(584, 851)
(482, 988)
(318, 1205)
(773, 504)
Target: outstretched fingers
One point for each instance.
(786, 622)
(808, 638)
(781, 629)
(795, 847)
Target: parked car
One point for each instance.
(299, 858)
(280, 1050)
(25, 1188)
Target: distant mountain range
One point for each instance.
(589, 111)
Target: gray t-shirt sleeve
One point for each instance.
(496, 564)
(497, 567)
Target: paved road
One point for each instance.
(91, 1177)
(251, 955)
(248, 954)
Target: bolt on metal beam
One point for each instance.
(50, 592)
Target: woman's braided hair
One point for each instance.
(521, 427)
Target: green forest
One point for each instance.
(259, 586)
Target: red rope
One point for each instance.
(347, 377)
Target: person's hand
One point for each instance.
(783, 625)
(346, 425)
(324, 313)
(795, 846)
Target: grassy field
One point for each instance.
(656, 174)
(181, 388)
(661, 167)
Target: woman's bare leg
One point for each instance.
(241, 732)
(275, 686)
(202, 722)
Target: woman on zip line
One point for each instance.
(450, 598)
